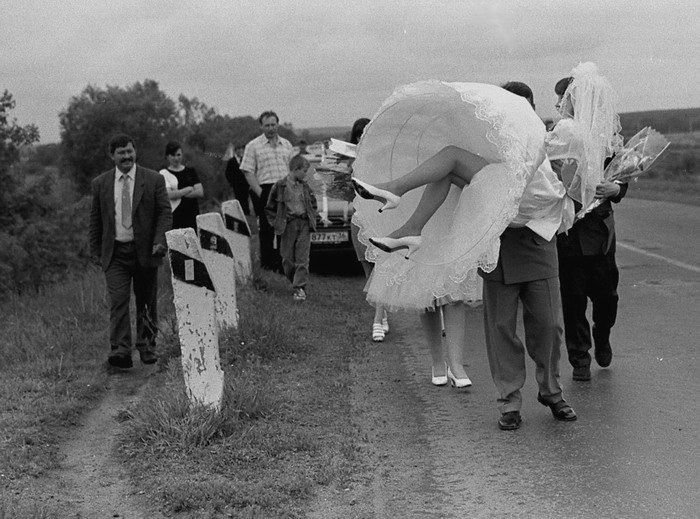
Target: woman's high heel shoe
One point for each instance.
(458, 382)
(440, 380)
(412, 243)
(370, 192)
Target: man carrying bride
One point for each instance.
(490, 144)
(507, 197)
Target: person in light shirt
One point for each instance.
(265, 161)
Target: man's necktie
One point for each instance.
(126, 202)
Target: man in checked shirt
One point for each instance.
(265, 161)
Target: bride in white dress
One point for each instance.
(475, 146)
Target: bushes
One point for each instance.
(45, 233)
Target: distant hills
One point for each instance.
(664, 121)
(679, 120)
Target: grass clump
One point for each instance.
(50, 373)
(285, 424)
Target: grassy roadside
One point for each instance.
(285, 428)
(52, 346)
(286, 425)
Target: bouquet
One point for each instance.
(634, 159)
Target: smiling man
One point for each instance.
(129, 217)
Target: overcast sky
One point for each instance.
(326, 63)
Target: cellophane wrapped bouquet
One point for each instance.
(634, 159)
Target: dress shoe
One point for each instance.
(412, 243)
(603, 354)
(377, 332)
(440, 380)
(560, 410)
(509, 421)
(582, 374)
(370, 192)
(148, 357)
(120, 361)
(458, 382)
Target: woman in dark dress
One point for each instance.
(185, 215)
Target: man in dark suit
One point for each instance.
(129, 217)
(527, 272)
(587, 270)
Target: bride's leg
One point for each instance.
(450, 160)
(455, 337)
(432, 198)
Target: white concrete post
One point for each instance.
(237, 233)
(195, 296)
(217, 256)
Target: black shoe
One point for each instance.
(120, 361)
(603, 354)
(148, 357)
(560, 410)
(582, 374)
(509, 421)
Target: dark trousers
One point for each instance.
(295, 247)
(269, 255)
(582, 278)
(543, 337)
(122, 271)
(241, 192)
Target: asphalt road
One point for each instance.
(632, 453)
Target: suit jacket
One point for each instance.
(524, 256)
(594, 234)
(150, 214)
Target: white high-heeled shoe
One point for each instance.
(439, 380)
(412, 243)
(370, 192)
(458, 382)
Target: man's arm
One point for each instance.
(163, 217)
(252, 182)
(95, 230)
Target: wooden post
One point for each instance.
(218, 257)
(237, 233)
(195, 296)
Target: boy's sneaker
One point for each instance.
(299, 294)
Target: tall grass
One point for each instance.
(283, 427)
(50, 344)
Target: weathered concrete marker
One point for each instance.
(237, 232)
(195, 296)
(217, 256)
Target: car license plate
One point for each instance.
(329, 237)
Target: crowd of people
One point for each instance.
(498, 223)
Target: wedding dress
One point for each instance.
(413, 124)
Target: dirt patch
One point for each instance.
(386, 406)
(90, 483)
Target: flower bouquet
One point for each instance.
(634, 159)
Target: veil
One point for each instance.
(594, 102)
(412, 125)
